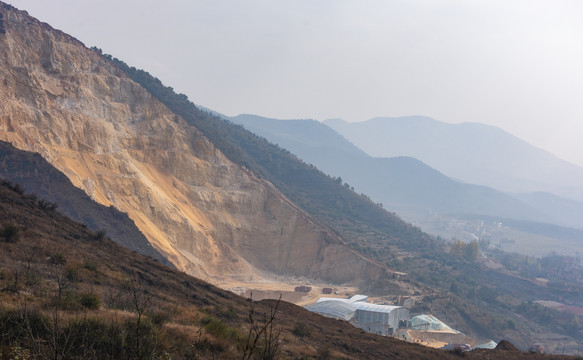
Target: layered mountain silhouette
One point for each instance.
(474, 153)
(401, 184)
(568, 212)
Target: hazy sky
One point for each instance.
(515, 64)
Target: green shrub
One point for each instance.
(32, 278)
(144, 340)
(324, 353)
(206, 319)
(90, 300)
(159, 317)
(301, 330)
(90, 265)
(97, 337)
(223, 313)
(100, 235)
(72, 274)
(219, 329)
(58, 259)
(9, 233)
(16, 325)
(47, 205)
(70, 301)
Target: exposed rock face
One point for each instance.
(41, 178)
(107, 134)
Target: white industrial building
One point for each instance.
(378, 319)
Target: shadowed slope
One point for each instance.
(39, 177)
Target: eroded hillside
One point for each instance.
(111, 138)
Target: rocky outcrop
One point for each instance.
(208, 216)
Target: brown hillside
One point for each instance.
(53, 269)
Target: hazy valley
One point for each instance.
(426, 197)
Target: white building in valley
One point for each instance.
(378, 319)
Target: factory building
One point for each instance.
(378, 319)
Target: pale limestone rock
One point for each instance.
(208, 216)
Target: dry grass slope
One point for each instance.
(68, 292)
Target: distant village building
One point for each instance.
(537, 348)
(303, 289)
(399, 275)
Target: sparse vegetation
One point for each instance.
(9, 232)
(219, 329)
(57, 259)
(458, 352)
(47, 205)
(468, 251)
(90, 300)
(100, 235)
(301, 330)
(262, 339)
(90, 265)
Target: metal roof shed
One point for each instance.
(380, 319)
(333, 309)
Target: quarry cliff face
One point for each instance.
(111, 138)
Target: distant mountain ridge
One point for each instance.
(475, 153)
(569, 211)
(400, 183)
